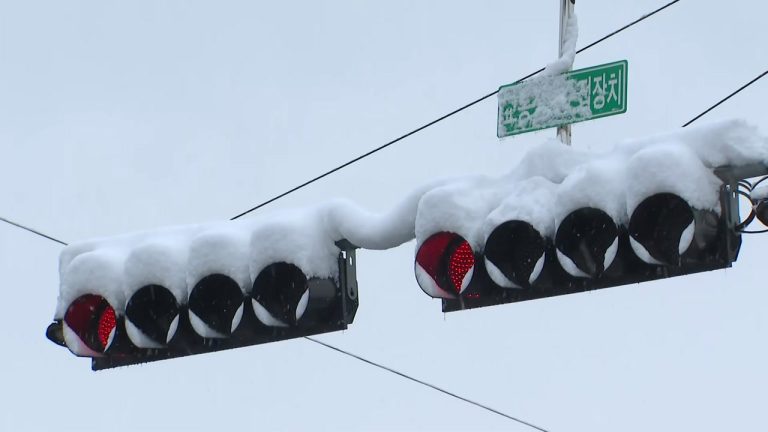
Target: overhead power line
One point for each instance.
(26, 228)
(432, 386)
(439, 119)
(726, 98)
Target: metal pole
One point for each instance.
(566, 10)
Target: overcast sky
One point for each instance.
(122, 116)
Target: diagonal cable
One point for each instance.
(734, 93)
(26, 228)
(418, 381)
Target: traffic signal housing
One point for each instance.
(662, 235)
(158, 322)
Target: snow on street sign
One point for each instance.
(552, 101)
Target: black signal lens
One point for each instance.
(215, 306)
(280, 295)
(661, 229)
(586, 242)
(151, 317)
(514, 254)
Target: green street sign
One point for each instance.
(553, 101)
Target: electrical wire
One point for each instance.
(439, 119)
(18, 225)
(432, 386)
(754, 80)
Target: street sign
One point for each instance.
(552, 101)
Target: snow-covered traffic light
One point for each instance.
(664, 237)
(567, 220)
(195, 290)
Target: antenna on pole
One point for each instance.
(566, 11)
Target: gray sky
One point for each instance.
(120, 116)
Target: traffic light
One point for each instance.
(551, 247)
(159, 301)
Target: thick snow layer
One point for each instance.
(549, 98)
(552, 180)
(531, 200)
(178, 257)
(549, 182)
(543, 101)
(565, 62)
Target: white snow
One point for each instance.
(548, 183)
(497, 275)
(230, 257)
(570, 37)
(140, 339)
(556, 99)
(156, 262)
(553, 179)
(428, 285)
(673, 168)
(554, 94)
(599, 184)
(178, 257)
(530, 200)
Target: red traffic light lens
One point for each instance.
(107, 325)
(90, 324)
(460, 262)
(444, 265)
